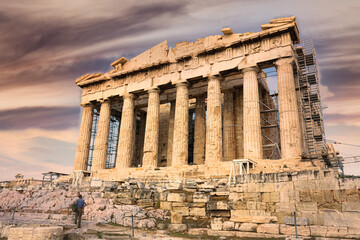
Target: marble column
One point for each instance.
(199, 131)
(83, 146)
(229, 128)
(126, 136)
(290, 131)
(151, 142)
(102, 137)
(251, 115)
(181, 126)
(239, 130)
(170, 134)
(213, 152)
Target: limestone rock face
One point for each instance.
(36, 233)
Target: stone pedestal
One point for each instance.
(151, 142)
(199, 130)
(213, 153)
(102, 136)
(239, 131)
(181, 126)
(229, 128)
(251, 115)
(290, 131)
(125, 148)
(82, 150)
(170, 134)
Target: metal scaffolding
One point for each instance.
(94, 125)
(113, 139)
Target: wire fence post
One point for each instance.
(296, 235)
(163, 225)
(132, 225)
(13, 216)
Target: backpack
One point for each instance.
(74, 207)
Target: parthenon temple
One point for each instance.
(190, 110)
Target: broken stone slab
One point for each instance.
(177, 227)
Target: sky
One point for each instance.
(46, 45)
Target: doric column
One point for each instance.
(229, 128)
(151, 142)
(170, 134)
(239, 130)
(290, 135)
(213, 152)
(83, 146)
(102, 137)
(199, 131)
(126, 136)
(181, 126)
(251, 115)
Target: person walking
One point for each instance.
(80, 205)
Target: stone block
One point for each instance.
(218, 205)
(305, 196)
(342, 219)
(264, 219)
(270, 207)
(285, 207)
(216, 224)
(318, 231)
(198, 212)
(284, 197)
(200, 197)
(336, 232)
(183, 210)
(270, 197)
(252, 196)
(299, 221)
(176, 197)
(317, 196)
(123, 201)
(266, 187)
(220, 213)
(177, 227)
(268, 228)
(290, 230)
(145, 203)
(176, 218)
(163, 196)
(307, 206)
(302, 185)
(197, 205)
(251, 205)
(248, 227)
(327, 184)
(165, 205)
(354, 232)
(142, 194)
(259, 213)
(221, 233)
(314, 218)
(235, 196)
(228, 226)
(284, 186)
(198, 231)
(350, 206)
(124, 195)
(330, 205)
(238, 205)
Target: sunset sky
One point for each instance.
(46, 45)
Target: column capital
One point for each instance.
(182, 84)
(251, 69)
(281, 61)
(214, 77)
(104, 100)
(153, 90)
(89, 104)
(130, 96)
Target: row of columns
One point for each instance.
(245, 139)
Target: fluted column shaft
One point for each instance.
(126, 136)
(229, 128)
(239, 127)
(83, 146)
(170, 134)
(102, 137)
(181, 126)
(251, 115)
(290, 131)
(199, 130)
(213, 152)
(151, 142)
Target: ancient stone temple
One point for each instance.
(190, 110)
